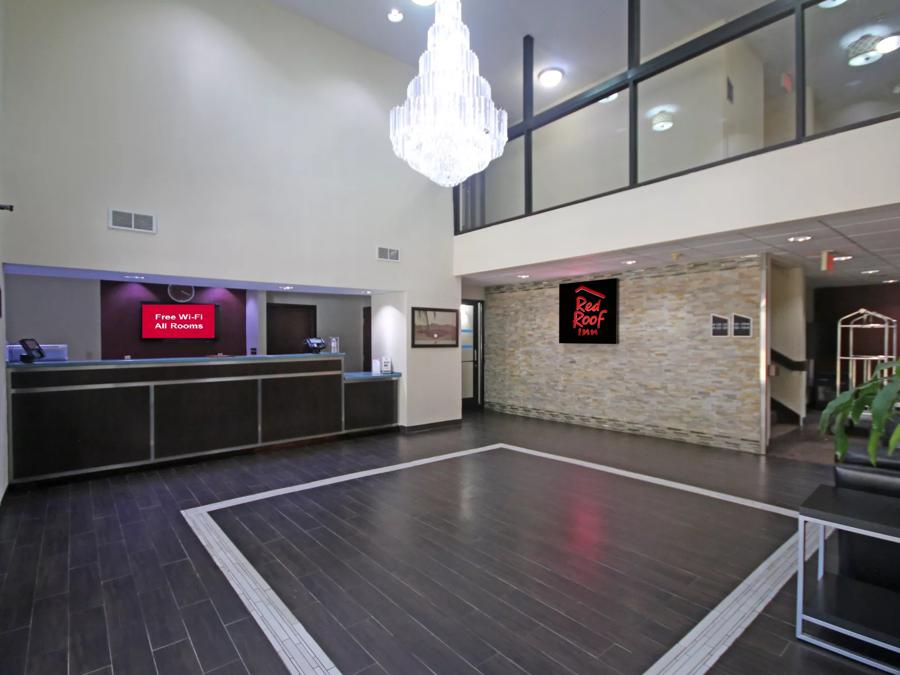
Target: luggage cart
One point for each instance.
(860, 368)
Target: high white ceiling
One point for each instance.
(871, 236)
(587, 38)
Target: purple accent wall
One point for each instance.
(120, 322)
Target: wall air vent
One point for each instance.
(389, 254)
(133, 222)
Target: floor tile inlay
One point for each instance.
(537, 600)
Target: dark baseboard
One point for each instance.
(419, 428)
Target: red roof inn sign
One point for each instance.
(589, 312)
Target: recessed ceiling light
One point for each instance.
(800, 239)
(524, 276)
(889, 281)
(863, 51)
(662, 121)
(842, 258)
(828, 4)
(134, 277)
(888, 44)
(629, 262)
(870, 272)
(395, 16)
(424, 3)
(551, 77)
(609, 99)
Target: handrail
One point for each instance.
(787, 362)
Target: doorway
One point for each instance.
(471, 343)
(367, 338)
(288, 326)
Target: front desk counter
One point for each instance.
(80, 416)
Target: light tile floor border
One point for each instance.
(694, 654)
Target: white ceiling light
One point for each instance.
(395, 16)
(889, 281)
(424, 3)
(551, 77)
(662, 121)
(888, 44)
(863, 51)
(842, 258)
(367, 292)
(800, 239)
(609, 99)
(134, 277)
(870, 272)
(286, 288)
(524, 276)
(448, 128)
(629, 262)
(828, 4)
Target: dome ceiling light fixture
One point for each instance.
(863, 51)
(888, 44)
(662, 121)
(395, 16)
(448, 128)
(551, 77)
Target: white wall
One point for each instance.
(582, 154)
(336, 315)
(4, 224)
(802, 181)
(258, 138)
(787, 321)
(54, 310)
(471, 291)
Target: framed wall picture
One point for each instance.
(433, 327)
(719, 325)
(589, 312)
(742, 325)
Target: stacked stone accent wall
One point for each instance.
(667, 377)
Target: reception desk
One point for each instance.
(83, 416)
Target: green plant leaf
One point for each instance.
(863, 399)
(893, 365)
(894, 440)
(834, 407)
(883, 403)
(841, 442)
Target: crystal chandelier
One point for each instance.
(448, 128)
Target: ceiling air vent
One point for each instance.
(389, 254)
(134, 222)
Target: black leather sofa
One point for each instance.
(864, 558)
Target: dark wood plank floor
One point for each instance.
(105, 576)
(501, 557)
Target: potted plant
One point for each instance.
(879, 396)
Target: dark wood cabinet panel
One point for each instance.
(301, 406)
(370, 404)
(205, 416)
(58, 431)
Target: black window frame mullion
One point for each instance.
(634, 60)
(527, 117)
(800, 71)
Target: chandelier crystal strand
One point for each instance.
(448, 128)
